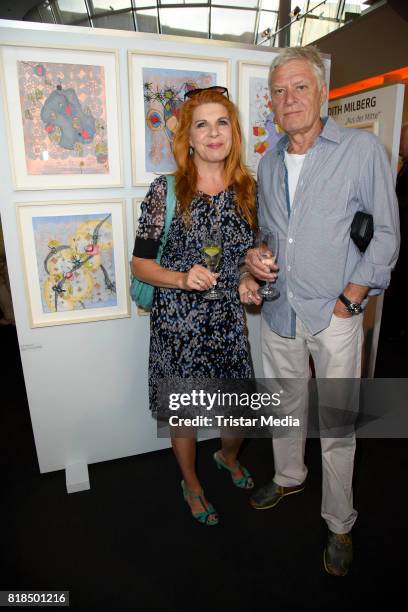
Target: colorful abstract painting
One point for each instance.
(263, 132)
(63, 107)
(75, 261)
(163, 92)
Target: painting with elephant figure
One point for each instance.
(64, 118)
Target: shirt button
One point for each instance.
(290, 240)
(290, 294)
(288, 268)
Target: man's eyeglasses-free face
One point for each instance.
(194, 92)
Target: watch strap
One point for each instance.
(353, 307)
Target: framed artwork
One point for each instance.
(157, 84)
(75, 261)
(63, 119)
(260, 131)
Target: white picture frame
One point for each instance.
(57, 95)
(152, 127)
(255, 114)
(74, 256)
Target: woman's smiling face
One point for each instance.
(211, 133)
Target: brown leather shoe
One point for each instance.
(270, 495)
(338, 553)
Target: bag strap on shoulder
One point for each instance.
(170, 206)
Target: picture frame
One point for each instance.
(62, 108)
(157, 83)
(260, 133)
(74, 256)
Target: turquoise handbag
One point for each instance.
(141, 292)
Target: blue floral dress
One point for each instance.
(191, 337)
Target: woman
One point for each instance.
(191, 336)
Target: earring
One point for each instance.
(190, 151)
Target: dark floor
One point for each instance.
(129, 543)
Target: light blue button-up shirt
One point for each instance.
(345, 170)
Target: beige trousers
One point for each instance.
(336, 353)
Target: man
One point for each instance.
(310, 186)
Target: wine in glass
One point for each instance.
(212, 250)
(267, 242)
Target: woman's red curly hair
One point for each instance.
(235, 172)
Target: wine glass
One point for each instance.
(212, 250)
(267, 242)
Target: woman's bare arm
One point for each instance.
(149, 271)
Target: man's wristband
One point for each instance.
(353, 307)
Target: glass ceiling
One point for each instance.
(245, 21)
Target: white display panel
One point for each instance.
(102, 413)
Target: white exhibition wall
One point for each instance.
(87, 382)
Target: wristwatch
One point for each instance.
(353, 307)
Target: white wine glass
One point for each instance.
(267, 243)
(212, 251)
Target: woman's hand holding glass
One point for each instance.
(248, 290)
(198, 278)
(212, 252)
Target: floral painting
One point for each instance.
(63, 108)
(263, 132)
(75, 261)
(163, 92)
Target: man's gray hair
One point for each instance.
(309, 54)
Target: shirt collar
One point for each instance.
(330, 131)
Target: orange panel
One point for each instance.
(396, 75)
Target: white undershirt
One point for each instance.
(294, 165)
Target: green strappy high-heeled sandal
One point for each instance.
(244, 482)
(208, 509)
